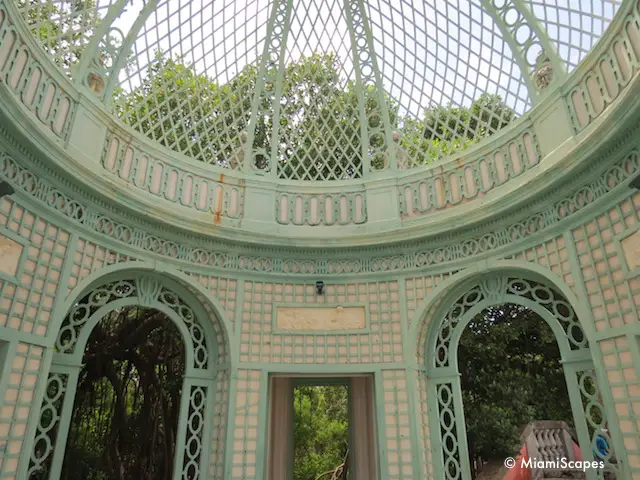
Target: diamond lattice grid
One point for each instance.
(414, 81)
(192, 76)
(319, 138)
(444, 54)
(64, 27)
(574, 27)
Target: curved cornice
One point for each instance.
(608, 173)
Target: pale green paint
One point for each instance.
(60, 174)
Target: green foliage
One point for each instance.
(125, 416)
(320, 430)
(444, 130)
(319, 123)
(188, 112)
(63, 28)
(511, 375)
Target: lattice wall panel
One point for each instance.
(423, 330)
(381, 343)
(424, 432)
(88, 258)
(418, 288)
(17, 403)
(552, 254)
(220, 417)
(224, 289)
(613, 296)
(222, 338)
(397, 425)
(245, 433)
(622, 375)
(26, 304)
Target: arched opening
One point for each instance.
(451, 317)
(511, 375)
(153, 335)
(127, 402)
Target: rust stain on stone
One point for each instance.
(217, 215)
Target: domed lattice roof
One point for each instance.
(318, 89)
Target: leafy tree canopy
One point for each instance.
(320, 430)
(64, 29)
(511, 375)
(319, 121)
(124, 423)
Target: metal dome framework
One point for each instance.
(207, 79)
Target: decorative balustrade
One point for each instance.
(548, 441)
(112, 223)
(613, 65)
(339, 208)
(29, 80)
(463, 180)
(222, 196)
(190, 188)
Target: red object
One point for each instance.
(518, 472)
(576, 451)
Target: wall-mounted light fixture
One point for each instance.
(320, 287)
(5, 189)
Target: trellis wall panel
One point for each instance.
(602, 275)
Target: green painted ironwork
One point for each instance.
(544, 219)
(202, 360)
(443, 381)
(100, 198)
(115, 40)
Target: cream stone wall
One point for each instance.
(18, 403)
(631, 249)
(260, 343)
(27, 302)
(606, 249)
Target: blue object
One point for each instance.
(602, 448)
